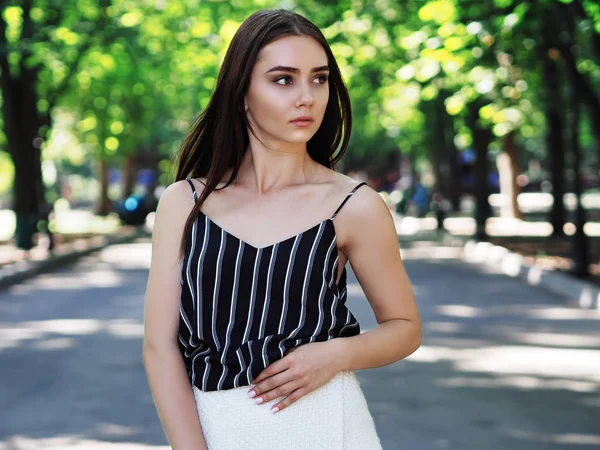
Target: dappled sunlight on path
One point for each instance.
(502, 365)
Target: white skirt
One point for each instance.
(334, 417)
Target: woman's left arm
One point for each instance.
(371, 246)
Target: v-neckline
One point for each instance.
(338, 276)
(246, 243)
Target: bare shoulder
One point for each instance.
(364, 214)
(365, 200)
(174, 207)
(177, 198)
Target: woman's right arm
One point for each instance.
(167, 376)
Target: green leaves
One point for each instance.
(121, 77)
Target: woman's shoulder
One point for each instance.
(365, 200)
(184, 189)
(181, 192)
(342, 183)
(176, 202)
(362, 213)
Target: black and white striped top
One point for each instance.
(243, 307)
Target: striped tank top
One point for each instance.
(243, 307)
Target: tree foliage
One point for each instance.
(117, 79)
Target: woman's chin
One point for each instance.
(301, 136)
(295, 138)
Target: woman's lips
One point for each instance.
(302, 123)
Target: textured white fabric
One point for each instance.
(334, 417)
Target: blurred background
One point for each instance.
(478, 121)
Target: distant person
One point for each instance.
(248, 342)
(419, 197)
(391, 181)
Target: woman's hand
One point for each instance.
(302, 370)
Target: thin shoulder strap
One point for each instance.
(347, 197)
(193, 189)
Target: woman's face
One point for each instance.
(288, 81)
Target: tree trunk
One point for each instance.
(554, 137)
(442, 151)
(22, 123)
(104, 205)
(129, 172)
(482, 137)
(431, 142)
(441, 146)
(28, 190)
(455, 175)
(580, 240)
(508, 169)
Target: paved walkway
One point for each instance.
(503, 365)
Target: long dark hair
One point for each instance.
(219, 138)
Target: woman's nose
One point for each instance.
(306, 97)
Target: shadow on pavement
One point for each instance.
(70, 351)
(503, 365)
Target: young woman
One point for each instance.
(248, 343)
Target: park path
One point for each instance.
(503, 365)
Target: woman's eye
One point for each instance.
(322, 80)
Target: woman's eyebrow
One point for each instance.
(295, 70)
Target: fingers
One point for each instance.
(293, 397)
(269, 384)
(279, 391)
(283, 378)
(272, 369)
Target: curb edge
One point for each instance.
(582, 294)
(60, 260)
